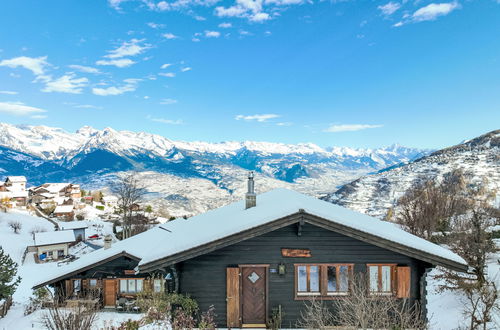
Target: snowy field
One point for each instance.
(444, 309)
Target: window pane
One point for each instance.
(157, 285)
(77, 285)
(314, 278)
(123, 286)
(302, 280)
(131, 285)
(332, 278)
(93, 282)
(344, 278)
(386, 278)
(373, 278)
(139, 286)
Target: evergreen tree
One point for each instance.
(8, 271)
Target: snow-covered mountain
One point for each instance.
(375, 194)
(92, 157)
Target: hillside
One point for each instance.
(185, 177)
(375, 194)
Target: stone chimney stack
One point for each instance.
(250, 196)
(107, 242)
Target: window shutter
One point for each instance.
(69, 288)
(404, 283)
(233, 297)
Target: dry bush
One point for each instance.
(77, 318)
(37, 229)
(360, 310)
(15, 225)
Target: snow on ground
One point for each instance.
(445, 309)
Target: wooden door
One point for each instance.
(253, 295)
(233, 297)
(109, 292)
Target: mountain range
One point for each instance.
(185, 177)
(478, 158)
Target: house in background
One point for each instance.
(78, 228)
(14, 190)
(52, 245)
(64, 212)
(279, 248)
(110, 201)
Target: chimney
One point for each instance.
(107, 242)
(250, 197)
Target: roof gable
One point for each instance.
(227, 221)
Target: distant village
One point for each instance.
(66, 206)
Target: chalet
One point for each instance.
(14, 190)
(59, 192)
(52, 245)
(64, 212)
(279, 248)
(77, 227)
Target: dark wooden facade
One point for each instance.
(204, 277)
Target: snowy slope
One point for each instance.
(375, 194)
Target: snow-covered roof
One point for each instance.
(64, 209)
(54, 237)
(19, 178)
(110, 199)
(73, 225)
(275, 204)
(14, 192)
(53, 187)
(216, 224)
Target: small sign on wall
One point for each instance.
(129, 272)
(296, 253)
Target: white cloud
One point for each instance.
(212, 34)
(129, 48)
(260, 17)
(120, 63)
(167, 74)
(389, 8)
(83, 68)
(259, 117)
(39, 116)
(8, 92)
(168, 101)
(19, 109)
(195, 40)
(66, 84)
(86, 106)
(434, 10)
(429, 13)
(34, 64)
(170, 36)
(349, 128)
(186, 69)
(129, 86)
(115, 4)
(155, 25)
(166, 65)
(165, 121)
(225, 25)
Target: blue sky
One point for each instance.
(350, 73)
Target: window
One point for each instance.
(381, 278)
(60, 253)
(324, 280)
(158, 285)
(77, 286)
(130, 285)
(308, 280)
(93, 283)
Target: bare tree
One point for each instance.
(15, 226)
(81, 317)
(130, 192)
(430, 206)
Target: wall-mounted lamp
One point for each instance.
(281, 268)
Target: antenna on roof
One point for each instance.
(250, 196)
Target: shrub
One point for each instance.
(35, 303)
(207, 320)
(276, 319)
(37, 229)
(100, 207)
(183, 320)
(15, 226)
(77, 318)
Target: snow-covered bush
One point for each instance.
(15, 226)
